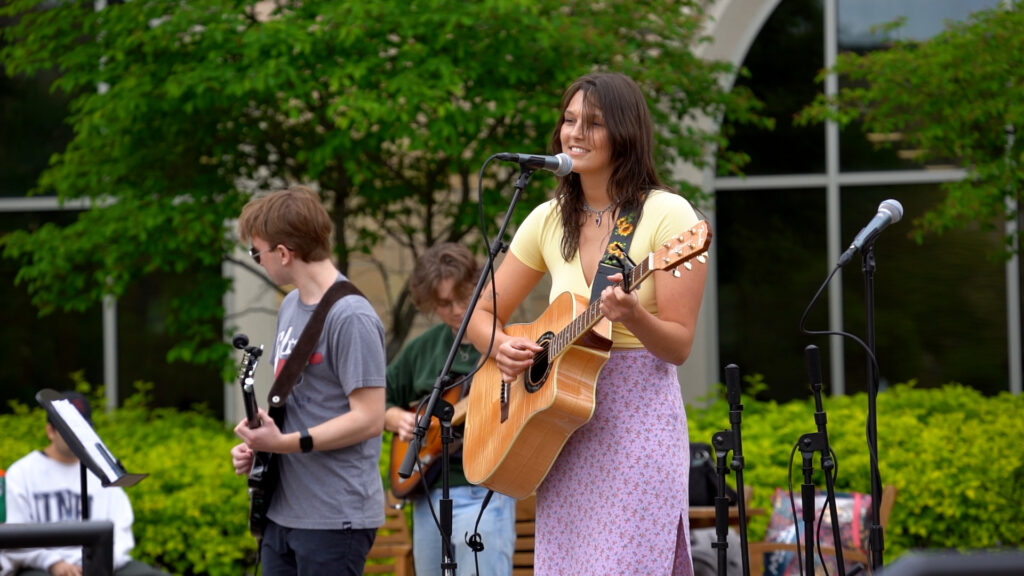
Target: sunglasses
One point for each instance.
(255, 254)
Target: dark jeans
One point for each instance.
(132, 568)
(300, 552)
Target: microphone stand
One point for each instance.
(443, 410)
(876, 539)
(809, 443)
(724, 441)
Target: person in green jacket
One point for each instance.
(441, 283)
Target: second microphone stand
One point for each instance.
(443, 410)
(723, 442)
(808, 445)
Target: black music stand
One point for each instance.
(92, 455)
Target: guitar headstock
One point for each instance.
(681, 248)
(247, 376)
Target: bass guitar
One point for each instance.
(430, 449)
(515, 430)
(262, 474)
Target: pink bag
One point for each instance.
(853, 510)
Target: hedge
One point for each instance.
(953, 453)
(191, 509)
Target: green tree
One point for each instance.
(954, 97)
(180, 110)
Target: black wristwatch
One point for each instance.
(305, 441)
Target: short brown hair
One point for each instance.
(293, 217)
(437, 264)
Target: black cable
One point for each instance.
(871, 357)
(821, 515)
(476, 541)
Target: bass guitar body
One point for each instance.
(262, 483)
(515, 430)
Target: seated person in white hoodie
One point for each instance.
(46, 486)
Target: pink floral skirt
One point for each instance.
(615, 500)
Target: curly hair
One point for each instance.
(439, 263)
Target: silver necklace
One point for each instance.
(598, 214)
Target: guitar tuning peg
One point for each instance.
(675, 273)
(688, 265)
(703, 259)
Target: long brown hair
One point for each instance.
(631, 138)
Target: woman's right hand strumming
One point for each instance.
(514, 356)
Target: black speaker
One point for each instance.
(951, 563)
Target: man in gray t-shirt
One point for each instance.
(329, 499)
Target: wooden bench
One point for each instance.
(522, 556)
(392, 550)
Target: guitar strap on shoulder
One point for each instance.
(289, 375)
(617, 250)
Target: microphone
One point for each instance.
(732, 384)
(889, 212)
(560, 163)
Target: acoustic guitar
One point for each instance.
(430, 449)
(515, 430)
(262, 475)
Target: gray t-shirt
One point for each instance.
(336, 489)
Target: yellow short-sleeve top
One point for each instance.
(538, 244)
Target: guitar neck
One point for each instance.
(690, 244)
(251, 408)
(592, 315)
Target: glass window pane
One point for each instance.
(143, 341)
(860, 151)
(783, 62)
(771, 257)
(42, 352)
(940, 307)
(924, 19)
(33, 128)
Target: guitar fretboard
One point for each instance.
(691, 244)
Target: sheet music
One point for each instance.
(90, 441)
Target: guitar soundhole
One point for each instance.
(537, 375)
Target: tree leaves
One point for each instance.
(955, 97)
(180, 111)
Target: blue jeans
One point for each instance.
(497, 531)
(301, 552)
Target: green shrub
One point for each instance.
(953, 454)
(191, 510)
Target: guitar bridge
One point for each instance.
(504, 400)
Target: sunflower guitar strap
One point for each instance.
(616, 257)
